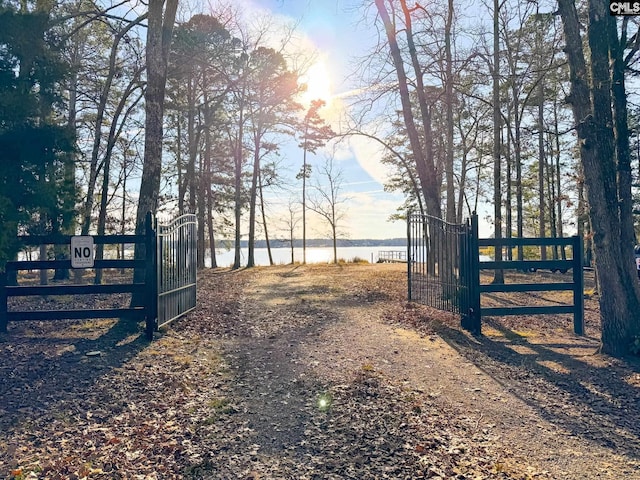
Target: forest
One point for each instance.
(110, 110)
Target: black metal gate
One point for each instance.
(439, 270)
(176, 273)
(444, 271)
(167, 292)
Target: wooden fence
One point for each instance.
(157, 256)
(444, 271)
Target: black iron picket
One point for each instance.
(176, 272)
(437, 270)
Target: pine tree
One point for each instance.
(34, 190)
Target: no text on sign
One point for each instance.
(81, 252)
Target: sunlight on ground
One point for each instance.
(525, 333)
(488, 331)
(93, 324)
(127, 340)
(554, 366)
(65, 349)
(427, 342)
(522, 349)
(633, 380)
(598, 391)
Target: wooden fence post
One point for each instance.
(409, 255)
(3, 302)
(151, 276)
(578, 286)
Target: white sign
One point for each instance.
(81, 252)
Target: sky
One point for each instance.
(333, 30)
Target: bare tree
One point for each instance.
(314, 134)
(291, 222)
(96, 164)
(327, 201)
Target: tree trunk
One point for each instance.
(253, 196)
(508, 201)
(304, 204)
(210, 205)
(123, 219)
(621, 130)
(619, 305)
(193, 137)
(264, 219)
(519, 201)
(541, 168)
(159, 34)
(238, 193)
(560, 214)
(497, 141)
(334, 235)
(448, 88)
(423, 157)
(201, 202)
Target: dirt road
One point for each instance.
(316, 372)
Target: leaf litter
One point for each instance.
(313, 372)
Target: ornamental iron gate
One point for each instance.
(167, 291)
(176, 268)
(444, 270)
(439, 269)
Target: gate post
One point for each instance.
(3, 302)
(151, 276)
(578, 286)
(465, 287)
(409, 255)
(475, 317)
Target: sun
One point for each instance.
(318, 82)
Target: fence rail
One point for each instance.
(573, 263)
(444, 271)
(168, 290)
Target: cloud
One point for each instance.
(368, 153)
(368, 215)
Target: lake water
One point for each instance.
(282, 256)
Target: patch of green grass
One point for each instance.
(220, 406)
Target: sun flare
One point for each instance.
(318, 82)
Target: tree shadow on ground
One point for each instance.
(596, 403)
(48, 363)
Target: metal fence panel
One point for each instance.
(444, 271)
(437, 252)
(176, 268)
